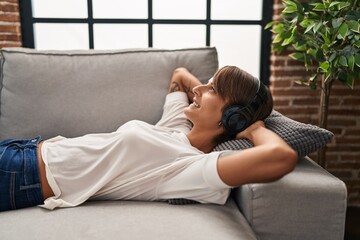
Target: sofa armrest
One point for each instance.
(308, 203)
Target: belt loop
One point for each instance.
(36, 140)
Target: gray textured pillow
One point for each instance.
(303, 138)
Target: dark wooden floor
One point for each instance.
(352, 225)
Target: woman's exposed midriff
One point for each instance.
(45, 187)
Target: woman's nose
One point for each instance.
(197, 90)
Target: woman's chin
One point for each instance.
(188, 111)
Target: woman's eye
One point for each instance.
(212, 89)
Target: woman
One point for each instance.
(171, 159)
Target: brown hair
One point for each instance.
(237, 86)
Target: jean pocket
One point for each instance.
(11, 158)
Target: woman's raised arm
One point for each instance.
(269, 159)
(182, 80)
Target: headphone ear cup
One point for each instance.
(235, 119)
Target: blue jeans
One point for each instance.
(20, 185)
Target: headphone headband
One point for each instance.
(259, 84)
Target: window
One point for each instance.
(234, 27)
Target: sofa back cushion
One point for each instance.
(72, 93)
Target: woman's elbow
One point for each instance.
(284, 159)
(179, 71)
(288, 159)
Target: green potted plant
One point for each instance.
(325, 35)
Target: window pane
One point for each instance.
(59, 8)
(179, 36)
(238, 45)
(179, 9)
(236, 9)
(115, 36)
(61, 36)
(120, 9)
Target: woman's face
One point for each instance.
(206, 109)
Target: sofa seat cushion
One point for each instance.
(128, 220)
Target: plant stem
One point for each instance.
(323, 113)
(353, 7)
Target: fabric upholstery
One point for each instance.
(128, 220)
(303, 138)
(72, 93)
(308, 203)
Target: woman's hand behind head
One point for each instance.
(247, 133)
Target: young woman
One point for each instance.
(172, 159)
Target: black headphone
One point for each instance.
(237, 118)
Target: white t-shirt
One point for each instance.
(139, 161)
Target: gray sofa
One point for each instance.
(72, 93)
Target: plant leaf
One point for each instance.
(342, 76)
(351, 62)
(314, 15)
(277, 48)
(332, 57)
(334, 13)
(289, 3)
(343, 5)
(309, 27)
(269, 25)
(299, 47)
(279, 28)
(318, 7)
(354, 26)
(350, 81)
(325, 66)
(312, 52)
(336, 22)
(297, 56)
(317, 27)
(326, 39)
(305, 23)
(302, 83)
(333, 4)
(343, 30)
(343, 61)
(290, 9)
(313, 77)
(312, 81)
(357, 60)
(287, 41)
(278, 38)
(312, 85)
(357, 44)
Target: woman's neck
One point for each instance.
(202, 140)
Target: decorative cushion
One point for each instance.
(303, 138)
